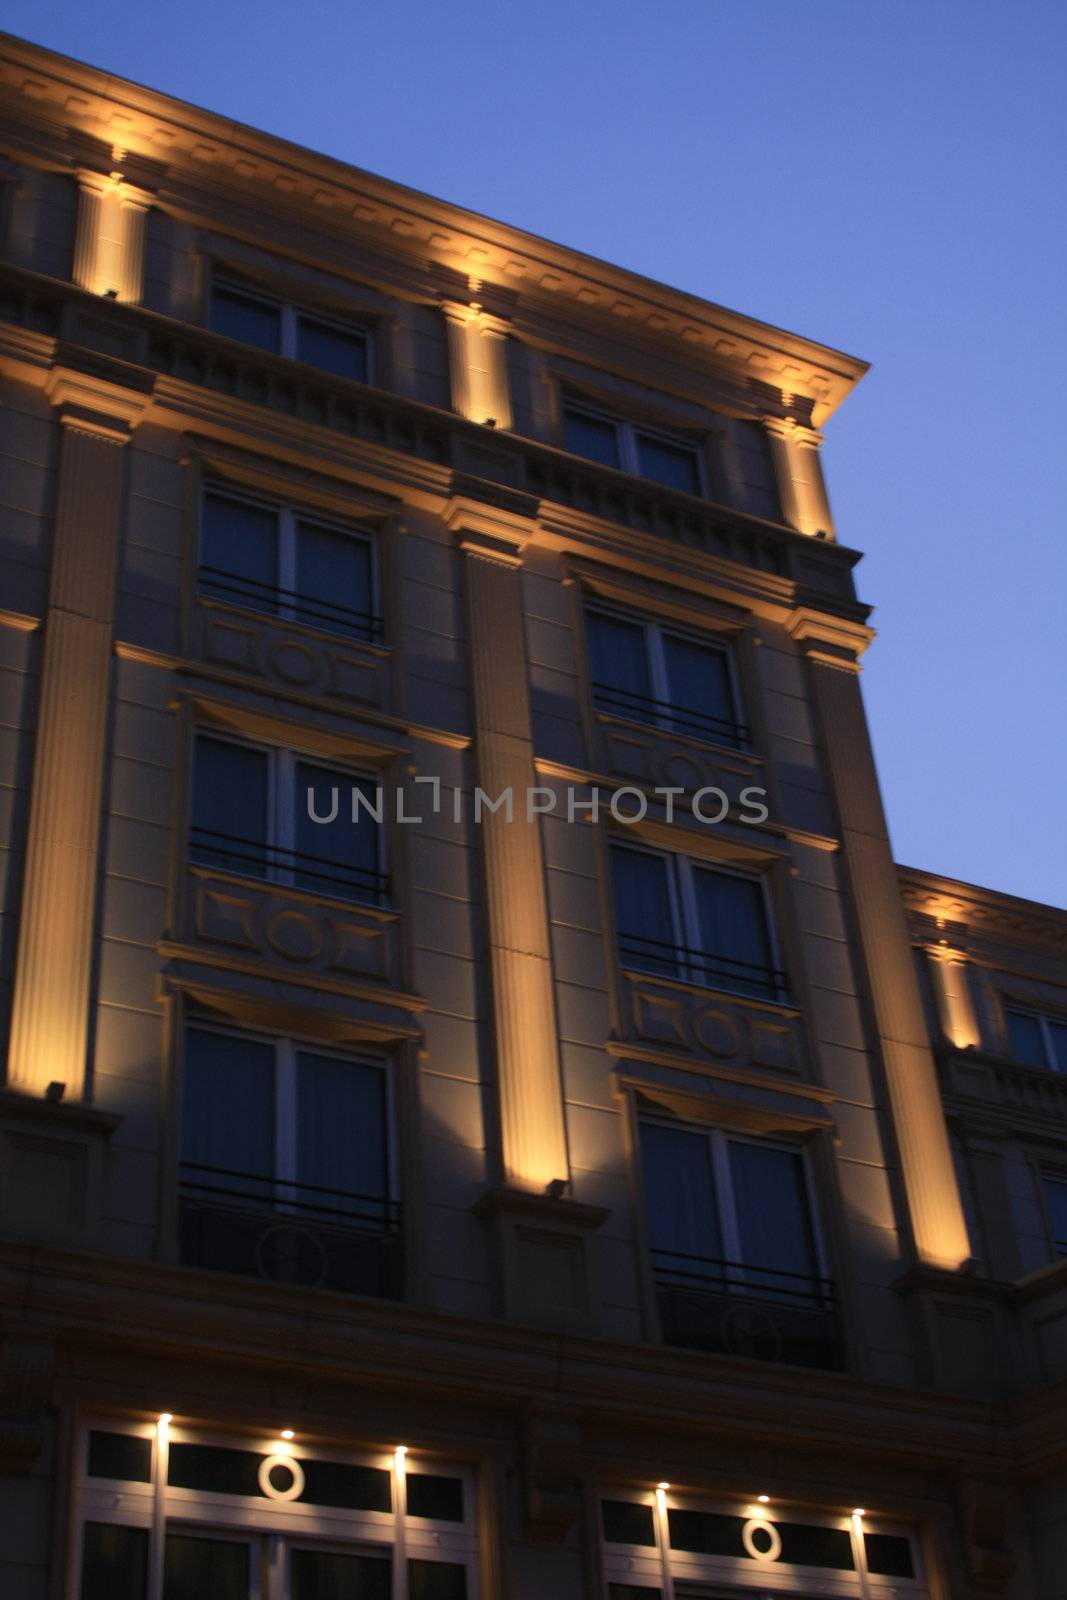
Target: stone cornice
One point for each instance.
(166, 143)
(984, 912)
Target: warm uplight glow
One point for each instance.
(287, 1433)
(165, 1417)
(764, 1499)
(663, 1487)
(401, 1451)
(859, 1512)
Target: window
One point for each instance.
(646, 671)
(274, 559)
(734, 1250)
(617, 443)
(1055, 1190)
(287, 330)
(286, 1166)
(252, 1517)
(252, 814)
(1037, 1040)
(685, 920)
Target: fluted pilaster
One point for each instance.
(477, 358)
(801, 488)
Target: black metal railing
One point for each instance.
(299, 1234)
(686, 720)
(702, 966)
(257, 859)
(762, 1313)
(290, 603)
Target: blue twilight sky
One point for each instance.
(884, 178)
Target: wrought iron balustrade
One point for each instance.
(256, 858)
(299, 1234)
(762, 1313)
(701, 966)
(686, 720)
(275, 601)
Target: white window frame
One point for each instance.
(1043, 1019)
(291, 312)
(685, 919)
(283, 804)
(626, 436)
(274, 1527)
(655, 630)
(662, 1568)
(287, 518)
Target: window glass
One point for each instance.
(592, 437)
(194, 1568)
(889, 1555)
(325, 1575)
(698, 689)
(120, 1455)
(239, 552)
(618, 663)
(228, 1111)
(331, 349)
(683, 1220)
(338, 857)
(435, 1497)
(333, 581)
(626, 1522)
(347, 1487)
(436, 1580)
(1056, 1202)
(229, 821)
(771, 1204)
(114, 1562)
(670, 464)
(244, 317)
(633, 1591)
(643, 910)
(1027, 1044)
(733, 931)
(1057, 1038)
(341, 1142)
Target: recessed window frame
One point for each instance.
(1047, 1175)
(685, 919)
(1045, 1021)
(290, 314)
(737, 734)
(628, 435)
(288, 604)
(283, 804)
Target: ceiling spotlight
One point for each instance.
(287, 1433)
(764, 1499)
(859, 1512)
(663, 1486)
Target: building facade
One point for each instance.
(484, 1114)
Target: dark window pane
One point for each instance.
(733, 932)
(643, 917)
(228, 1114)
(229, 824)
(755, 490)
(341, 1139)
(204, 1569)
(1056, 1202)
(669, 464)
(632, 1591)
(349, 1488)
(333, 581)
(331, 349)
(706, 1532)
(1027, 1043)
(806, 1546)
(618, 665)
(698, 689)
(120, 1455)
(214, 1470)
(432, 1496)
(322, 1575)
(889, 1555)
(242, 316)
(683, 1220)
(773, 1222)
(436, 1580)
(625, 1522)
(591, 437)
(114, 1562)
(337, 856)
(1058, 1039)
(239, 552)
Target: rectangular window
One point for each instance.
(734, 1250)
(615, 442)
(277, 325)
(682, 919)
(650, 673)
(1055, 1189)
(286, 1167)
(1037, 1039)
(304, 569)
(274, 815)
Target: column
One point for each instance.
(477, 358)
(936, 1213)
(952, 994)
(801, 487)
(50, 1018)
(109, 239)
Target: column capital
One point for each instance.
(798, 433)
(832, 640)
(498, 528)
(93, 402)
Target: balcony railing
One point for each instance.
(702, 966)
(290, 604)
(257, 859)
(726, 1308)
(663, 714)
(297, 1234)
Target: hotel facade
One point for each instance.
(652, 1193)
